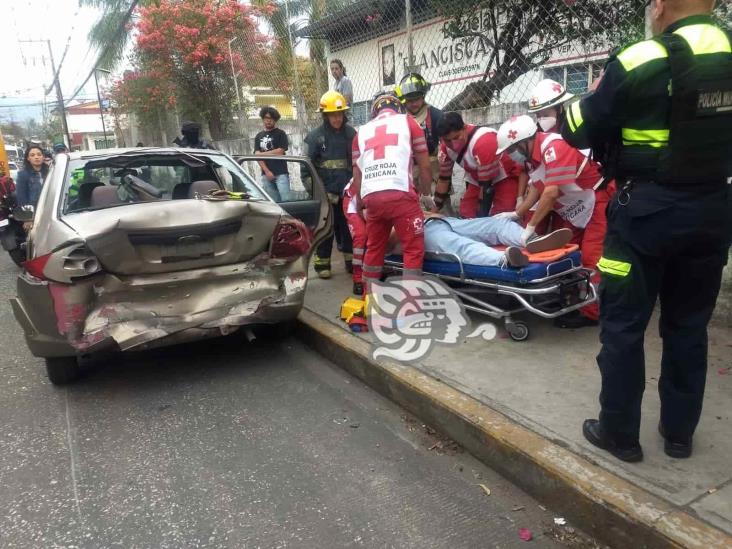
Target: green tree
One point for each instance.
(521, 35)
(110, 33)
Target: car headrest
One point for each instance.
(85, 192)
(202, 187)
(180, 191)
(104, 196)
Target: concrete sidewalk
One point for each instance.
(550, 383)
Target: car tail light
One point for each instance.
(291, 239)
(35, 266)
(64, 265)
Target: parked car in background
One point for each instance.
(13, 169)
(139, 248)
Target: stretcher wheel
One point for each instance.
(518, 331)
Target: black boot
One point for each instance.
(675, 447)
(594, 433)
(358, 289)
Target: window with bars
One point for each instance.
(575, 78)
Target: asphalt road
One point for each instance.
(230, 444)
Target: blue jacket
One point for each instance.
(28, 187)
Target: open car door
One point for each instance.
(297, 188)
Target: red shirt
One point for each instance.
(479, 161)
(574, 174)
(561, 162)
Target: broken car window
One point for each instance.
(103, 182)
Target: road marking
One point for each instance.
(72, 457)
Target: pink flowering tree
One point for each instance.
(182, 59)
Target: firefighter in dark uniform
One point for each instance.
(661, 119)
(329, 148)
(412, 91)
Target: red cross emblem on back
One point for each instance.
(512, 134)
(380, 141)
(557, 88)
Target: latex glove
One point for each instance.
(513, 216)
(427, 202)
(334, 198)
(529, 231)
(519, 201)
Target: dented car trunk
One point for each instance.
(159, 237)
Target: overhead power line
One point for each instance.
(66, 50)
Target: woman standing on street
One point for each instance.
(30, 179)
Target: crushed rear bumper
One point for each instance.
(140, 312)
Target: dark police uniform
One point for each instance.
(662, 115)
(330, 152)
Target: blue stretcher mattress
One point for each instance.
(533, 271)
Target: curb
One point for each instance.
(601, 503)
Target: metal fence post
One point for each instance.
(299, 98)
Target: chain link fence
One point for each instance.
(482, 57)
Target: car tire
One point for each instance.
(62, 370)
(18, 256)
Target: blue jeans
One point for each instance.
(471, 239)
(279, 189)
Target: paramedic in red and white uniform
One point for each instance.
(567, 182)
(474, 148)
(357, 228)
(383, 154)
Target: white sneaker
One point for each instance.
(515, 258)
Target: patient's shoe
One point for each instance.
(515, 258)
(552, 241)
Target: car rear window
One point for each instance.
(104, 182)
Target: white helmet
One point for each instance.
(548, 93)
(514, 130)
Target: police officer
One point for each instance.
(329, 148)
(663, 110)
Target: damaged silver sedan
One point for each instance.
(142, 248)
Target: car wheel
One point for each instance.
(62, 369)
(18, 256)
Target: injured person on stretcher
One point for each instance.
(471, 240)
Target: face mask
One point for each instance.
(458, 144)
(518, 156)
(546, 123)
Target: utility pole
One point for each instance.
(59, 94)
(410, 42)
(99, 100)
(299, 98)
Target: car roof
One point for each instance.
(80, 155)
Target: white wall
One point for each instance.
(88, 123)
(449, 64)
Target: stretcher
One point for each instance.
(552, 287)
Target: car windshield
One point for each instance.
(127, 178)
